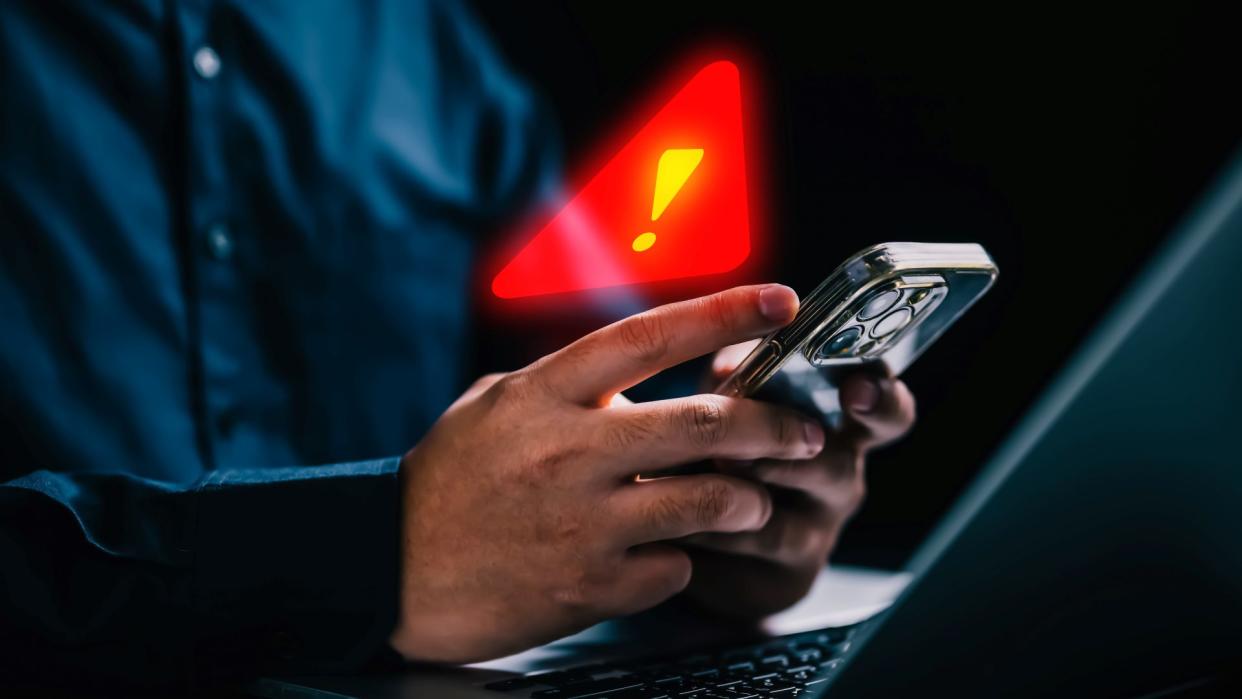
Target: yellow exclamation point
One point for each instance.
(674, 168)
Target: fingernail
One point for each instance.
(778, 303)
(864, 396)
(814, 436)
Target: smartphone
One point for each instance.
(876, 313)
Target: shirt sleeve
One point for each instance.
(119, 579)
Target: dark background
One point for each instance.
(1068, 142)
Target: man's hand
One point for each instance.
(755, 573)
(522, 517)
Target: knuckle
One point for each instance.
(719, 313)
(858, 492)
(854, 489)
(786, 536)
(900, 408)
(910, 409)
(666, 511)
(510, 388)
(629, 431)
(820, 540)
(707, 421)
(713, 501)
(561, 532)
(815, 544)
(545, 466)
(784, 429)
(798, 540)
(542, 468)
(488, 379)
(645, 337)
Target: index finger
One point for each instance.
(620, 355)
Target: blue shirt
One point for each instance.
(237, 245)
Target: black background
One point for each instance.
(1067, 141)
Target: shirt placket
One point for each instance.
(218, 249)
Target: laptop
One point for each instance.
(1098, 554)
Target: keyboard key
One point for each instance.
(775, 660)
(591, 688)
(558, 678)
(772, 685)
(598, 687)
(641, 693)
(780, 667)
(608, 673)
(706, 674)
(808, 655)
(648, 668)
(800, 674)
(510, 684)
(831, 636)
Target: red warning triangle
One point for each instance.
(670, 204)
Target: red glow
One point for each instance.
(705, 228)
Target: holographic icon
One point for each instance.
(670, 203)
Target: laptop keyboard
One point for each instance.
(787, 666)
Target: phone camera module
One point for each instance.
(840, 344)
(879, 303)
(892, 322)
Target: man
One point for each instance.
(237, 243)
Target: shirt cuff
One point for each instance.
(296, 569)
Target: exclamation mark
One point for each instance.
(675, 167)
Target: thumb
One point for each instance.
(880, 409)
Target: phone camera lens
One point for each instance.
(841, 343)
(879, 303)
(892, 322)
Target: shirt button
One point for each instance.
(206, 62)
(219, 242)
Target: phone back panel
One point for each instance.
(877, 312)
